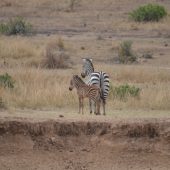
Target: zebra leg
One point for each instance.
(82, 106)
(95, 110)
(79, 105)
(98, 107)
(103, 102)
(90, 104)
(94, 107)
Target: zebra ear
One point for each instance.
(84, 59)
(75, 76)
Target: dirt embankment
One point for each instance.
(82, 145)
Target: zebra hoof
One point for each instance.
(97, 113)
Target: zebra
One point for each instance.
(85, 91)
(99, 79)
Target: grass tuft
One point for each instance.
(55, 57)
(125, 53)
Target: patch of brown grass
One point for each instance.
(55, 55)
(139, 75)
(37, 88)
(136, 73)
(30, 51)
(16, 51)
(41, 88)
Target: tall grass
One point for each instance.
(17, 48)
(41, 88)
(36, 88)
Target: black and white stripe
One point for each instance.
(85, 91)
(99, 79)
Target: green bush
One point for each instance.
(6, 81)
(15, 26)
(122, 92)
(149, 12)
(125, 53)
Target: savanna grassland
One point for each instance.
(40, 128)
(91, 29)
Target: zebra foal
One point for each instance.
(85, 91)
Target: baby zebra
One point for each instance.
(85, 91)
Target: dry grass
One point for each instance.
(39, 88)
(17, 50)
(28, 51)
(36, 88)
(55, 55)
(152, 97)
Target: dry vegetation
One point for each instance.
(38, 87)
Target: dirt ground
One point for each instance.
(83, 142)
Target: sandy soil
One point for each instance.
(84, 143)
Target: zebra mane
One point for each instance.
(76, 77)
(90, 62)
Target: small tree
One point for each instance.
(125, 52)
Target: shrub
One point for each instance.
(149, 12)
(54, 57)
(122, 92)
(125, 53)
(15, 26)
(6, 81)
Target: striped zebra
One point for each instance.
(85, 91)
(99, 79)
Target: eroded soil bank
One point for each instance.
(84, 145)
